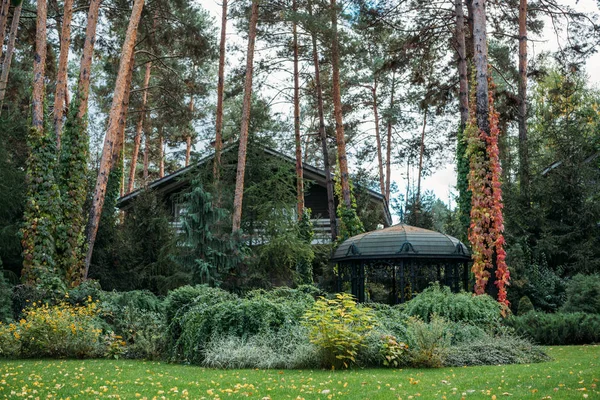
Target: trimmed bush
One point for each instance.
(490, 350)
(583, 294)
(457, 307)
(557, 329)
(525, 306)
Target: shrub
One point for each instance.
(557, 329)
(6, 312)
(393, 352)
(61, 330)
(429, 342)
(391, 320)
(583, 294)
(80, 294)
(477, 310)
(295, 300)
(490, 350)
(525, 306)
(338, 327)
(287, 348)
(240, 318)
(179, 301)
(10, 345)
(464, 333)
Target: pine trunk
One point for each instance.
(388, 158)
(463, 95)
(137, 139)
(14, 27)
(323, 138)
(337, 106)
(61, 77)
(4, 8)
(523, 148)
(378, 138)
(420, 171)
(220, 91)
(481, 66)
(188, 138)
(146, 166)
(119, 153)
(241, 165)
(161, 155)
(39, 64)
(111, 137)
(298, 140)
(469, 40)
(83, 87)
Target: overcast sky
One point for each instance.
(442, 181)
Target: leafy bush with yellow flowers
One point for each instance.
(338, 327)
(61, 330)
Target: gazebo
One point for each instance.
(391, 265)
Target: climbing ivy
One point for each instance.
(72, 180)
(306, 234)
(349, 222)
(42, 212)
(487, 223)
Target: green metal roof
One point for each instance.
(401, 241)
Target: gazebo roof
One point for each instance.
(402, 242)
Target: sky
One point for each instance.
(443, 179)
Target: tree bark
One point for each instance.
(61, 77)
(14, 27)
(299, 171)
(481, 66)
(119, 153)
(241, 165)
(83, 87)
(463, 95)
(523, 148)
(161, 155)
(470, 48)
(4, 8)
(39, 64)
(323, 137)
(137, 139)
(112, 136)
(188, 138)
(388, 158)
(220, 91)
(337, 106)
(421, 151)
(378, 138)
(146, 166)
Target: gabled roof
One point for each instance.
(174, 181)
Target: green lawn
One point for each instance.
(574, 373)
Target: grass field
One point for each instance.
(574, 374)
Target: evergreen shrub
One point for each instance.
(583, 294)
(457, 307)
(428, 341)
(557, 329)
(525, 306)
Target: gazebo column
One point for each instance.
(456, 277)
(413, 279)
(394, 283)
(466, 276)
(361, 282)
(402, 283)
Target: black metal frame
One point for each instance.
(398, 274)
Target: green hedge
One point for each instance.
(557, 329)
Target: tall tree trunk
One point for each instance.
(220, 91)
(39, 64)
(14, 27)
(481, 66)
(4, 8)
(420, 171)
(188, 138)
(241, 165)
(523, 148)
(323, 137)
(137, 139)
(469, 40)
(337, 106)
(83, 88)
(388, 158)
(146, 166)
(161, 155)
(463, 79)
(378, 138)
(61, 77)
(119, 153)
(112, 130)
(299, 171)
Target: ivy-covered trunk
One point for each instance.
(60, 94)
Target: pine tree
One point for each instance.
(14, 27)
